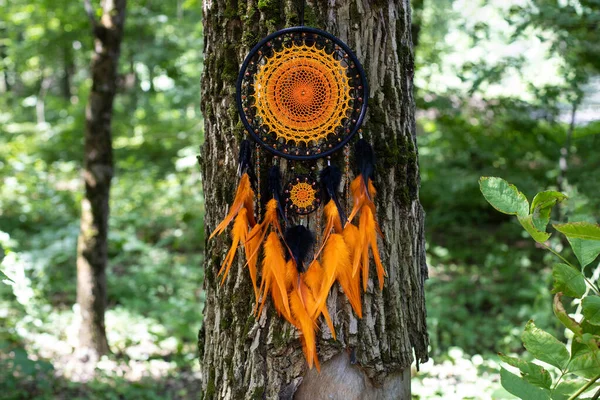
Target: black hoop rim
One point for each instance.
(358, 66)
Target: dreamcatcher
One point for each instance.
(302, 96)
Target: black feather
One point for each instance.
(275, 188)
(299, 241)
(245, 158)
(365, 159)
(331, 176)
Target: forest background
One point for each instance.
(503, 88)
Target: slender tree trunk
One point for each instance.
(97, 174)
(68, 70)
(4, 80)
(40, 104)
(243, 358)
(563, 161)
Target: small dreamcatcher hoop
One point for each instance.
(302, 93)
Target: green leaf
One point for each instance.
(541, 207)
(561, 314)
(568, 280)
(586, 251)
(521, 388)
(503, 196)
(544, 346)
(567, 388)
(580, 230)
(532, 373)
(591, 309)
(537, 235)
(4, 277)
(585, 358)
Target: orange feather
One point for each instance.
(238, 234)
(353, 242)
(369, 240)
(274, 275)
(333, 217)
(350, 285)
(333, 222)
(313, 278)
(305, 323)
(360, 197)
(270, 220)
(244, 198)
(335, 259)
(251, 247)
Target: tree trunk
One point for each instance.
(244, 358)
(97, 174)
(68, 70)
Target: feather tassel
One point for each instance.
(238, 234)
(365, 159)
(270, 221)
(245, 159)
(304, 322)
(368, 238)
(353, 242)
(251, 247)
(299, 241)
(361, 197)
(333, 222)
(336, 259)
(274, 274)
(275, 187)
(313, 279)
(330, 178)
(244, 198)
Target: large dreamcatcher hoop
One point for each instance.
(302, 93)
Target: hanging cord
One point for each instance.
(301, 14)
(258, 188)
(347, 179)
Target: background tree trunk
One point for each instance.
(244, 358)
(97, 174)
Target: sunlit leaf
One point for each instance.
(591, 309)
(503, 196)
(580, 230)
(585, 359)
(567, 388)
(544, 346)
(532, 373)
(586, 251)
(537, 235)
(521, 388)
(541, 207)
(568, 280)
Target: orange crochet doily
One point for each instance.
(302, 195)
(302, 94)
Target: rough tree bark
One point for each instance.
(97, 175)
(243, 358)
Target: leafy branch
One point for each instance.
(581, 363)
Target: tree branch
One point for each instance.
(89, 10)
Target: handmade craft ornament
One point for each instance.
(302, 95)
(302, 195)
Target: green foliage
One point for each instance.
(486, 108)
(156, 222)
(583, 359)
(522, 388)
(504, 197)
(568, 281)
